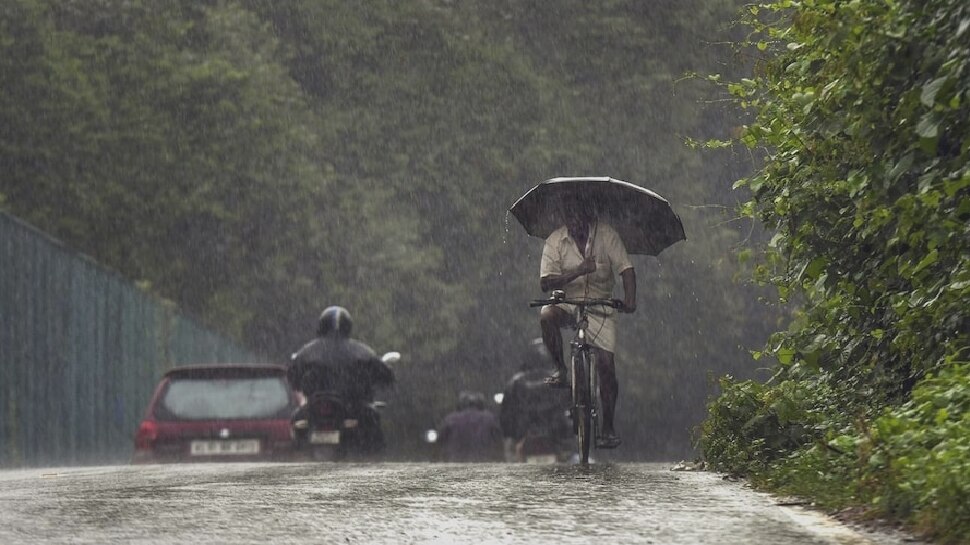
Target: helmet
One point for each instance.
(335, 320)
(536, 356)
(468, 400)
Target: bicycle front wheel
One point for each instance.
(582, 404)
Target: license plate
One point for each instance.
(229, 448)
(329, 437)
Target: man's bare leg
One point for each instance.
(551, 320)
(609, 391)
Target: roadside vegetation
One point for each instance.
(859, 116)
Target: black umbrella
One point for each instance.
(646, 223)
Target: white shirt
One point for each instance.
(560, 252)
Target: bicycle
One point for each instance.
(583, 376)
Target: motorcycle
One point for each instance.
(545, 444)
(328, 429)
(537, 449)
(546, 439)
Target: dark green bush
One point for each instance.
(751, 425)
(918, 457)
(860, 114)
(911, 462)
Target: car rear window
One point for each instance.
(225, 398)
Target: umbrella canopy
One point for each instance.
(644, 220)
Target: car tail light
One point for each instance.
(147, 433)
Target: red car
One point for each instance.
(218, 413)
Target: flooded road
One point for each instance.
(398, 503)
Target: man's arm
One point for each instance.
(629, 277)
(558, 281)
(620, 259)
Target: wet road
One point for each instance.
(399, 503)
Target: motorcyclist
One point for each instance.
(334, 363)
(470, 433)
(529, 406)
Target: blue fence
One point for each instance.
(81, 350)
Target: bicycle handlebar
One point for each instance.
(614, 303)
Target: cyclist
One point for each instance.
(528, 406)
(333, 362)
(583, 257)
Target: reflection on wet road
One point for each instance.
(395, 503)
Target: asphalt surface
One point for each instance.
(401, 503)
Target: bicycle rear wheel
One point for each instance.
(582, 404)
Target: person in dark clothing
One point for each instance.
(334, 363)
(529, 406)
(470, 433)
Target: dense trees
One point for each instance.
(861, 111)
(255, 161)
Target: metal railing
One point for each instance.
(81, 349)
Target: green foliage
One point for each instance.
(865, 181)
(860, 118)
(750, 425)
(908, 462)
(918, 456)
(181, 152)
(256, 161)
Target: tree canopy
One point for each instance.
(257, 161)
